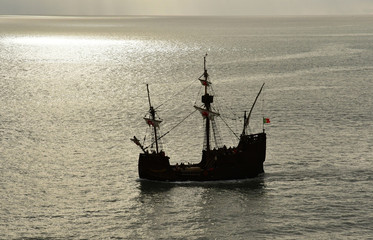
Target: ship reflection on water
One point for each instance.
(245, 185)
(226, 207)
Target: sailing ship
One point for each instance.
(245, 160)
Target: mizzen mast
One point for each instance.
(247, 119)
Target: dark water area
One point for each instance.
(72, 94)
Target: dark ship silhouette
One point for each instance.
(239, 162)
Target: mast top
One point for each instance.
(204, 77)
(147, 89)
(204, 61)
(205, 74)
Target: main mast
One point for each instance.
(207, 99)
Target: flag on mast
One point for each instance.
(266, 120)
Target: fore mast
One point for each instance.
(152, 121)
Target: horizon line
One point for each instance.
(183, 15)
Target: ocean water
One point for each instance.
(72, 94)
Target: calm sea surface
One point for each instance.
(72, 93)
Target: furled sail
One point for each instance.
(204, 82)
(152, 122)
(206, 113)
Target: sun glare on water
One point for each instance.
(67, 40)
(71, 48)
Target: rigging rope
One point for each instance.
(226, 124)
(173, 127)
(217, 103)
(182, 90)
(195, 102)
(216, 133)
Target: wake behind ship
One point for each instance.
(245, 160)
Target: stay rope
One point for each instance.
(182, 90)
(226, 124)
(173, 127)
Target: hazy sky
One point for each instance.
(185, 7)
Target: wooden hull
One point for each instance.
(244, 161)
